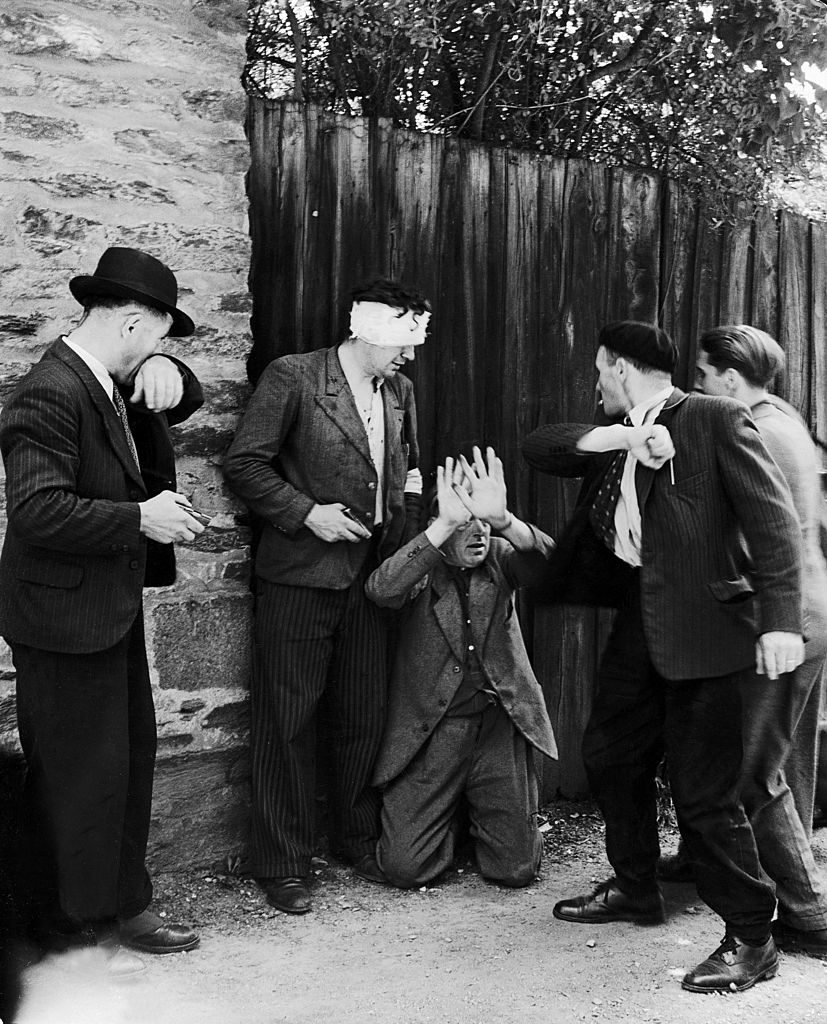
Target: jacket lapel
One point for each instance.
(338, 403)
(103, 404)
(645, 477)
(448, 612)
(484, 594)
(394, 418)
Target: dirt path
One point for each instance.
(463, 952)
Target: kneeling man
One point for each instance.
(465, 709)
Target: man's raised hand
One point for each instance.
(483, 490)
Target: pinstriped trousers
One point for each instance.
(315, 648)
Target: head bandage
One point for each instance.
(382, 325)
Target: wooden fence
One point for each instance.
(524, 257)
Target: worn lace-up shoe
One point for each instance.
(733, 967)
(610, 903)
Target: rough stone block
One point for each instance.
(200, 811)
(38, 126)
(198, 639)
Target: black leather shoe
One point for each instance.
(733, 967)
(149, 933)
(367, 868)
(290, 895)
(796, 940)
(675, 867)
(609, 903)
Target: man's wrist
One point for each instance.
(506, 524)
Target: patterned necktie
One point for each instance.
(120, 407)
(602, 512)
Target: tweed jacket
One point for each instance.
(721, 547)
(74, 561)
(300, 443)
(430, 652)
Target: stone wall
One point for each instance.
(121, 122)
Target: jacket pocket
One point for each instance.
(732, 591)
(52, 574)
(686, 506)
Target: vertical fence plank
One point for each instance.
(463, 313)
(794, 309)
(417, 183)
(679, 231)
(706, 280)
(818, 332)
(634, 246)
(736, 268)
(764, 312)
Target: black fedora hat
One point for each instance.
(132, 274)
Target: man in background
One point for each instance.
(781, 717)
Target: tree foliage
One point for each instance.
(712, 94)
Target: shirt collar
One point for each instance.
(95, 365)
(650, 408)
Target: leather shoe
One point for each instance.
(149, 933)
(675, 867)
(609, 903)
(367, 868)
(797, 940)
(290, 894)
(733, 967)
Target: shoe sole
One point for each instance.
(162, 950)
(371, 879)
(289, 910)
(770, 972)
(617, 918)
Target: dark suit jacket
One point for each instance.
(73, 562)
(720, 550)
(427, 669)
(300, 443)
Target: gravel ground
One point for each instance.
(460, 952)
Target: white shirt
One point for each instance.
(628, 525)
(371, 411)
(95, 365)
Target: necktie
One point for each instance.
(120, 407)
(602, 512)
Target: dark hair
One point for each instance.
(750, 351)
(391, 293)
(112, 302)
(612, 357)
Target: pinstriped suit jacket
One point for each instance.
(73, 560)
(721, 546)
(300, 443)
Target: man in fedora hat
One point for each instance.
(672, 490)
(92, 514)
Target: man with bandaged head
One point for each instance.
(326, 455)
